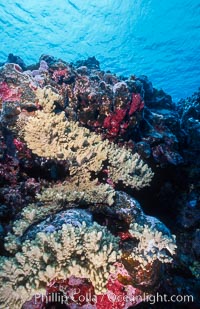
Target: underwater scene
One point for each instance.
(100, 154)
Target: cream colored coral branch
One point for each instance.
(153, 245)
(51, 135)
(80, 190)
(85, 252)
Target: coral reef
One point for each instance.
(76, 145)
(104, 103)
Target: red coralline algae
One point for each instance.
(22, 150)
(113, 122)
(75, 291)
(118, 296)
(57, 74)
(19, 145)
(9, 94)
(124, 235)
(137, 104)
(79, 293)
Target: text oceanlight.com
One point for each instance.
(75, 297)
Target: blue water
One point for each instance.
(158, 38)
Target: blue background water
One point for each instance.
(158, 38)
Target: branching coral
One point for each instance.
(148, 241)
(85, 151)
(153, 245)
(80, 190)
(128, 168)
(30, 214)
(77, 191)
(85, 252)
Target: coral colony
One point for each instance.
(76, 145)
